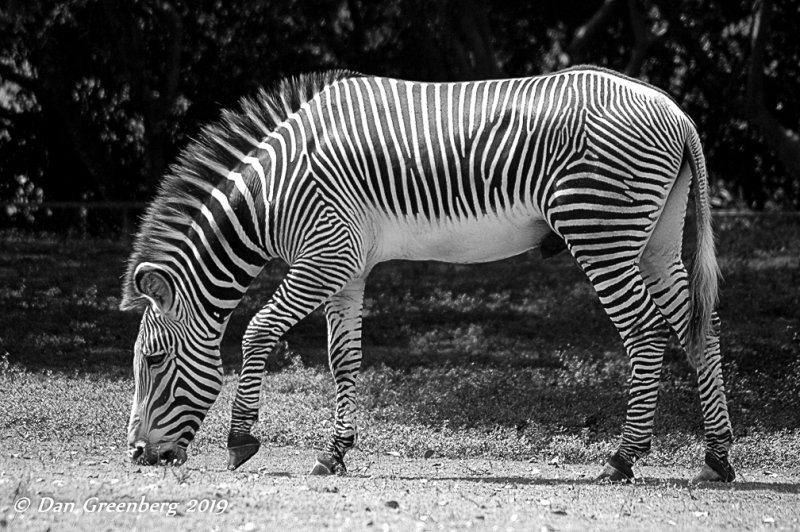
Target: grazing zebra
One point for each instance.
(336, 172)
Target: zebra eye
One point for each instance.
(155, 360)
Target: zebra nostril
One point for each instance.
(136, 450)
(135, 453)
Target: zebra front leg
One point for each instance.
(259, 341)
(343, 313)
(307, 285)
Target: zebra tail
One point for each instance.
(704, 280)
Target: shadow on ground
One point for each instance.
(531, 329)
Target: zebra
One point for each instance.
(335, 172)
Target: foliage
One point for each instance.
(96, 96)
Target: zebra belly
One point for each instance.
(484, 239)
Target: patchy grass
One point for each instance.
(481, 360)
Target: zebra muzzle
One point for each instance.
(144, 453)
(241, 448)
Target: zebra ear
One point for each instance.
(155, 283)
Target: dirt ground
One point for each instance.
(73, 490)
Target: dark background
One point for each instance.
(98, 96)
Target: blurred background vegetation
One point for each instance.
(98, 96)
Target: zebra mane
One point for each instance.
(205, 161)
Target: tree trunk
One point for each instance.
(643, 39)
(784, 141)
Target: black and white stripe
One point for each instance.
(337, 172)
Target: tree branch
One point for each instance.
(643, 38)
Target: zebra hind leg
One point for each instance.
(718, 431)
(645, 334)
(343, 313)
(667, 281)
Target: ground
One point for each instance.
(272, 492)
(507, 376)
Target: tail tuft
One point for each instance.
(704, 281)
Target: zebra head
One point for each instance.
(177, 370)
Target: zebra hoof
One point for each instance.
(616, 470)
(715, 470)
(241, 448)
(707, 475)
(327, 465)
